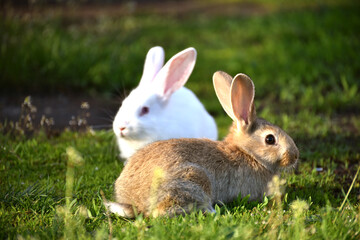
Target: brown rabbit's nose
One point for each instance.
(289, 158)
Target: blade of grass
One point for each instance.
(347, 194)
(107, 214)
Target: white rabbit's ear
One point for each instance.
(175, 73)
(222, 83)
(242, 101)
(153, 63)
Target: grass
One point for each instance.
(34, 182)
(304, 62)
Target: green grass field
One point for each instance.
(304, 60)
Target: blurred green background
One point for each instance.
(302, 54)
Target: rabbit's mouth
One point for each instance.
(124, 133)
(129, 134)
(288, 159)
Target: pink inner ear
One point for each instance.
(245, 109)
(242, 97)
(177, 75)
(245, 116)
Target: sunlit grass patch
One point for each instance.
(34, 190)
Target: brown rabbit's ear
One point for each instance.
(222, 83)
(242, 100)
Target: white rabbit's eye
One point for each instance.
(144, 110)
(270, 139)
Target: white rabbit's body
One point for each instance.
(191, 120)
(160, 107)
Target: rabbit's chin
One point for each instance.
(129, 146)
(137, 136)
(130, 137)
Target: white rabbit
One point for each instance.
(160, 107)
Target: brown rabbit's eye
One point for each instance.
(144, 110)
(270, 139)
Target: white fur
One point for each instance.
(116, 208)
(174, 111)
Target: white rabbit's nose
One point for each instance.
(122, 129)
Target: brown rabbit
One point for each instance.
(178, 175)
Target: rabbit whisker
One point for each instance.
(101, 126)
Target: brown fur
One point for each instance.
(179, 175)
(197, 163)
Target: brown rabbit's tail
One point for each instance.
(124, 210)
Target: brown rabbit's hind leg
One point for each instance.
(166, 207)
(181, 198)
(172, 210)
